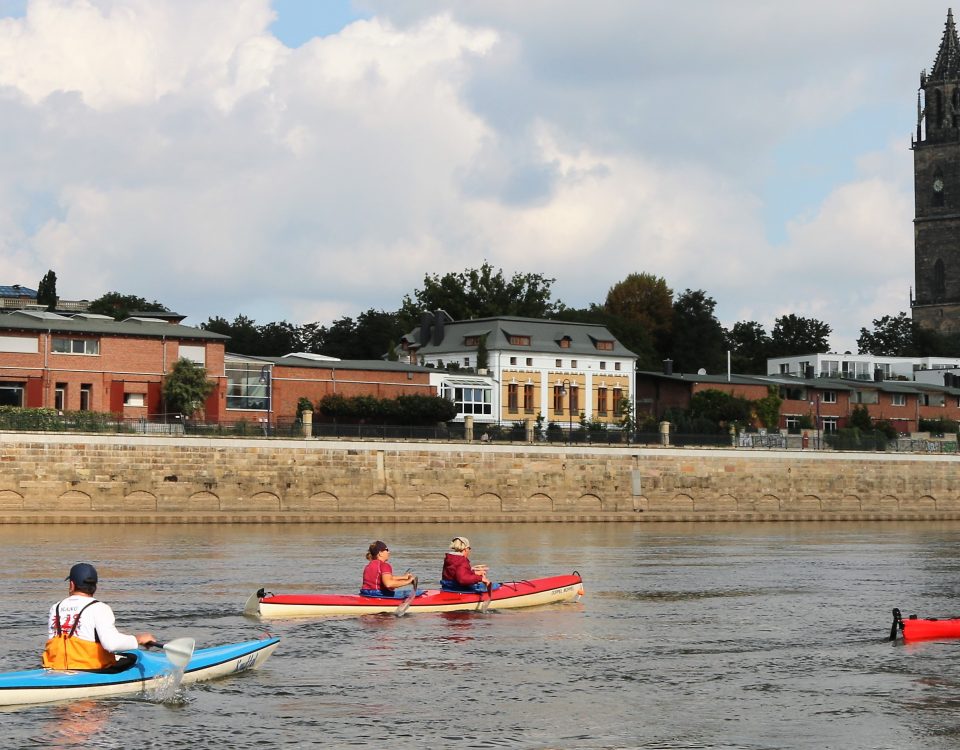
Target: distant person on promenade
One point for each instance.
(458, 574)
(81, 630)
(378, 577)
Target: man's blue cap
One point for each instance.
(82, 573)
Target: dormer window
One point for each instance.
(471, 341)
(520, 341)
(606, 346)
(565, 342)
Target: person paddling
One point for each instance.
(458, 574)
(81, 630)
(378, 577)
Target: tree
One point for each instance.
(767, 409)
(186, 387)
(646, 300)
(632, 335)
(749, 347)
(793, 335)
(860, 418)
(891, 336)
(47, 291)
(697, 334)
(119, 306)
(483, 354)
(480, 293)
(719, 407)
(243, 333)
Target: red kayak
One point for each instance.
(506, 595)
(914, 629)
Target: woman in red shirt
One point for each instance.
(378, 577)
(457, 570)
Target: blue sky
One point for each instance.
(302, 160)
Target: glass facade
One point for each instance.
(248, 386)
(469, 400)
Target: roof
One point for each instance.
(715, 379)
(545, 336)
(947, 64)
(291, 360)
(17, 291)
(36, 320)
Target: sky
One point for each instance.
(303, 161)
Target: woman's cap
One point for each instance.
(82, 573)
(377, 547)
(459, 543)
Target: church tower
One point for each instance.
(936, 186)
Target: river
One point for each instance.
(762, 635)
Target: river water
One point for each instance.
(763, 635)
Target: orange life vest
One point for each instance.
(63, 651)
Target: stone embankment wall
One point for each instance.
(119, 479)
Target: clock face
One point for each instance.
(938, 185)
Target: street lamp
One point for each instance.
(566, 391)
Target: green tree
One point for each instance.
(186, 387)
(243, 332)
(749, 347)
(697, 334)
(480, 293)
(646, 300)
(793, 334)
(860, 418)
(483, 354)
(720, 408)
(632, 335)
(891, 336)
(119, 306)
(47, 291)
(767, 409)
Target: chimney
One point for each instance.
(877, 375)
(438, 317)
(668, 367)
(809, 372)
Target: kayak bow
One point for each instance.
(46, 685)
(508, 595)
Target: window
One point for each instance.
(617, 402)
(785, 369)
(602, 401)
(793, 424)
(134, 399)
(830, 368)
(606, 346)
(867, 397)
(529, 361)
(512, 391)
(196, 354)
(86, 397)
(573, 363)
(603, 365)
(565, 342)
(519, 341)
(829, 397)
(559, 363)
(513, 360)
(616, 365)
(60, 396)
(829, 424)
(11, 394)
(939, 277)
(898, 399)
(528, 398)
(76, 346)
(248, 386)
(20, 344)
(558, 399)
(574, 399)
(469, 400)
(471, 340)
(466, 361)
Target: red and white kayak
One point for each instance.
(509, 595)
(915, 629)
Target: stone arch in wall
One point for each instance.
(140, 501)
(74, 500)
(318, 502)
(264, 502)
(722, 503)
(680, 502)
(378, 501)
(924, 502)
(802, 504)
(589, 503)
(768, 503)
(889, 502)
(434, 501)
(845, 503)
(538, 502)
(198, 501)
(10, 500)
(485, 502)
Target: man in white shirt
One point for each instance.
(81, 630)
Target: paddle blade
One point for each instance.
(486, 602)
(179, 651)
(405, 604)
(252, 607)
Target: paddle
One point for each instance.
(897, 620)
(405, 604)
(252, 606)
(178, 651)
(486, 603)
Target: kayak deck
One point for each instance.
(46, 685)
(915, 629)
(509, 595)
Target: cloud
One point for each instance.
(181, 152)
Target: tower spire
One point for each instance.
(947, 64)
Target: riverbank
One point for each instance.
(82, 479)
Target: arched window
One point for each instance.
(939, 279)
(937, 199)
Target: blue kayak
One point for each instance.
(148, 669)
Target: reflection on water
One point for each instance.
(701, 635)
